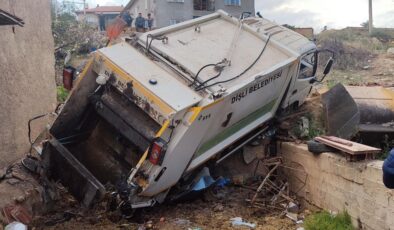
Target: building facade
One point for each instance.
(169, 12)
(91, 15)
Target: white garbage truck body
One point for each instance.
(199, 86)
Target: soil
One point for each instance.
(379, 71)
(200, 213)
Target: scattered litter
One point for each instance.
(304, 127)
(292, 216)
(222, 182)
(292, 207)
(16, 226)
(180, 221)
(300, 228)
(237, 221)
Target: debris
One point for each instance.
(17, 212)
(304, 127)
(293, 208)
(237, 221)
(353, 152)
(238, 179)
(180, 221)
(265, 180)
(16, 226)
(218, 208)
(366, 67)
(292, 216)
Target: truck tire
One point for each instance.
(316, 147)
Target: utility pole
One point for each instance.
(370, 25)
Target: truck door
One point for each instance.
(302, 85)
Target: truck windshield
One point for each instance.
(308, 65)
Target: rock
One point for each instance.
(366, 67)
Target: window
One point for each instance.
(308, 66)
(207, 5)
(232, 2)
(180, 1)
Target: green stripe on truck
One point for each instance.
(235, 128)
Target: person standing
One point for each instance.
(127, 18)
(149, 22)
(388, 170)
(140, 23)
(102, 22)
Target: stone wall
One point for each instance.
(334, 184)
(27, 75)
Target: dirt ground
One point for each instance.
(379, 71)
(195, 214)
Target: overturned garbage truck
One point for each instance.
(147, 115)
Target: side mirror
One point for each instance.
(328, 66)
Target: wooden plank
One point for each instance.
(355, 149)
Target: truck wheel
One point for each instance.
(316, 147)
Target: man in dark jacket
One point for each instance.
(140, 23)
(127, 18)
(102, 22)
(388, 170)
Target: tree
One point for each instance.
(365, 24)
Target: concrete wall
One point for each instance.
(236, 11)
(334, 184)
(173, 11)
(166, 12)
(27, 75)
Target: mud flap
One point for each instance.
(341, 112)
(62, 166)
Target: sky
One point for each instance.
(316, 13)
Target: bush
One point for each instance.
(326, 221)
(62, 94)
(382, 35)
(346, 56)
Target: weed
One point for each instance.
(326, 221)
(62, 94)
(387, 145)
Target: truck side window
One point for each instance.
(307, 66)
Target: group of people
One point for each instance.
(141, 24)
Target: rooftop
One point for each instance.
(102, 9)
